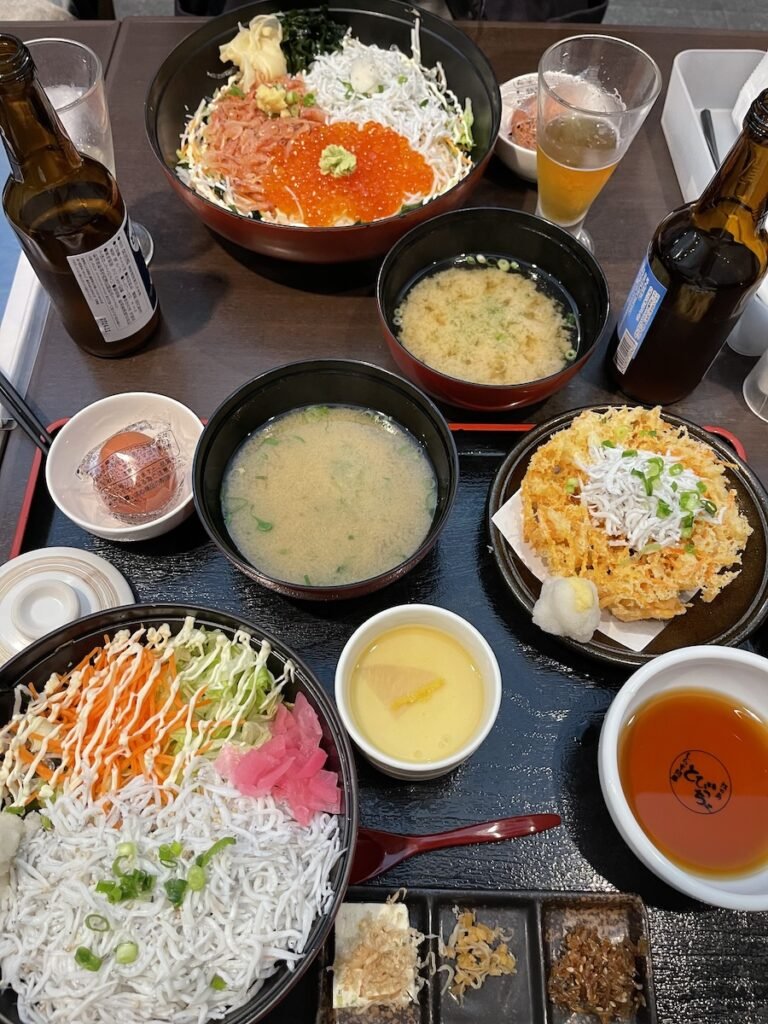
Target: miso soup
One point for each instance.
(328, 495)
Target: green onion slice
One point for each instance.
(709, 506)
(97, 923)
(647, 482)
(175, 888)
(650, 548)
(701, 487)
(126, 952)
(689, 501)
(655, 466)
(205, 858)
(690, 549)
(571, 484)
(663, 509)
(86, 958)
(196, 878)
(218, 983)
(608, 444)
(169, 853)
(629, 453)
(676, 469)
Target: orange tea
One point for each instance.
(694, 768)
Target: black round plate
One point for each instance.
(728, 620)
(63, 648)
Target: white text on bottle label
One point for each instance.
(642, 304)
(116, 285)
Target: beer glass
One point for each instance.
(594, 94)
(72, 77)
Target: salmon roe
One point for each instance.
(388, 172)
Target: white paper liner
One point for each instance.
(634, 635)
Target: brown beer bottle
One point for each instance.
(704, 263)
(70, 219)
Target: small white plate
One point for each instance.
(43, 590)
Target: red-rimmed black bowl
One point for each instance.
(63, 648)
(184, 78)
(320, 382)
(499, 232)
(730, 619)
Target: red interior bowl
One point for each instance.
(184, 79)
(500, 232)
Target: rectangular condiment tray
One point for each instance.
(536, 922)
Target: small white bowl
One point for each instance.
(520, 160)
(472, 641)
(93, 425)
(726, 671)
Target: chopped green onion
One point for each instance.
(129, 886)
(676, 469)
(84, 957)
(46, 823)
(97, 923)
(663, 509)
(648, 433)
(629, 453)
(647, 483)
(690, 549)
(608, 444)
(20, 809)
(689, 501)
(205, 858)
(218, 983)
(570, 354)
(673, 485)
(126, 952)
(571, 484)
(655, 466)
(235, 90)
(701, 487)
(309, 99)
(196, 878)
(686, 532)
(650, 548)
(709, 506)
(169, 853)
(175, 889)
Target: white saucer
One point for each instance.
(43, 590)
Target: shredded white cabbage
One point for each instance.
(255, 912)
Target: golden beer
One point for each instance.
(577, 154)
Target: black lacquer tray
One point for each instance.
(540, 756)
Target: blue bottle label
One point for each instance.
(641, 307)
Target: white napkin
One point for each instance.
(21, 328)
(754, 85)
(509, 522)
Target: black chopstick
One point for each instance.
(24, 416)
(709, 135)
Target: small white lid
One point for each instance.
(42, 590)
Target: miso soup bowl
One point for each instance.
(726, 671)
(499, 232)
(320, 382)
(471, 640)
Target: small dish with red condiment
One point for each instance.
(516, 141)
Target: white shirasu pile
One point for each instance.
(255, 912)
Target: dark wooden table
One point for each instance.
(228, 316)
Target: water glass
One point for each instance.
(594, 94)
(755, 387)
(72, 76)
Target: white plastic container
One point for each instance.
(711, 80)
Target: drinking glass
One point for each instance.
(594, 94)
(72, 76)
(755, 388)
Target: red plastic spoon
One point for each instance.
(378, 851)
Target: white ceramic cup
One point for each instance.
(473, 642)
(728, 672)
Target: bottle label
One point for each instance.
(640, 308)
(116, 284)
